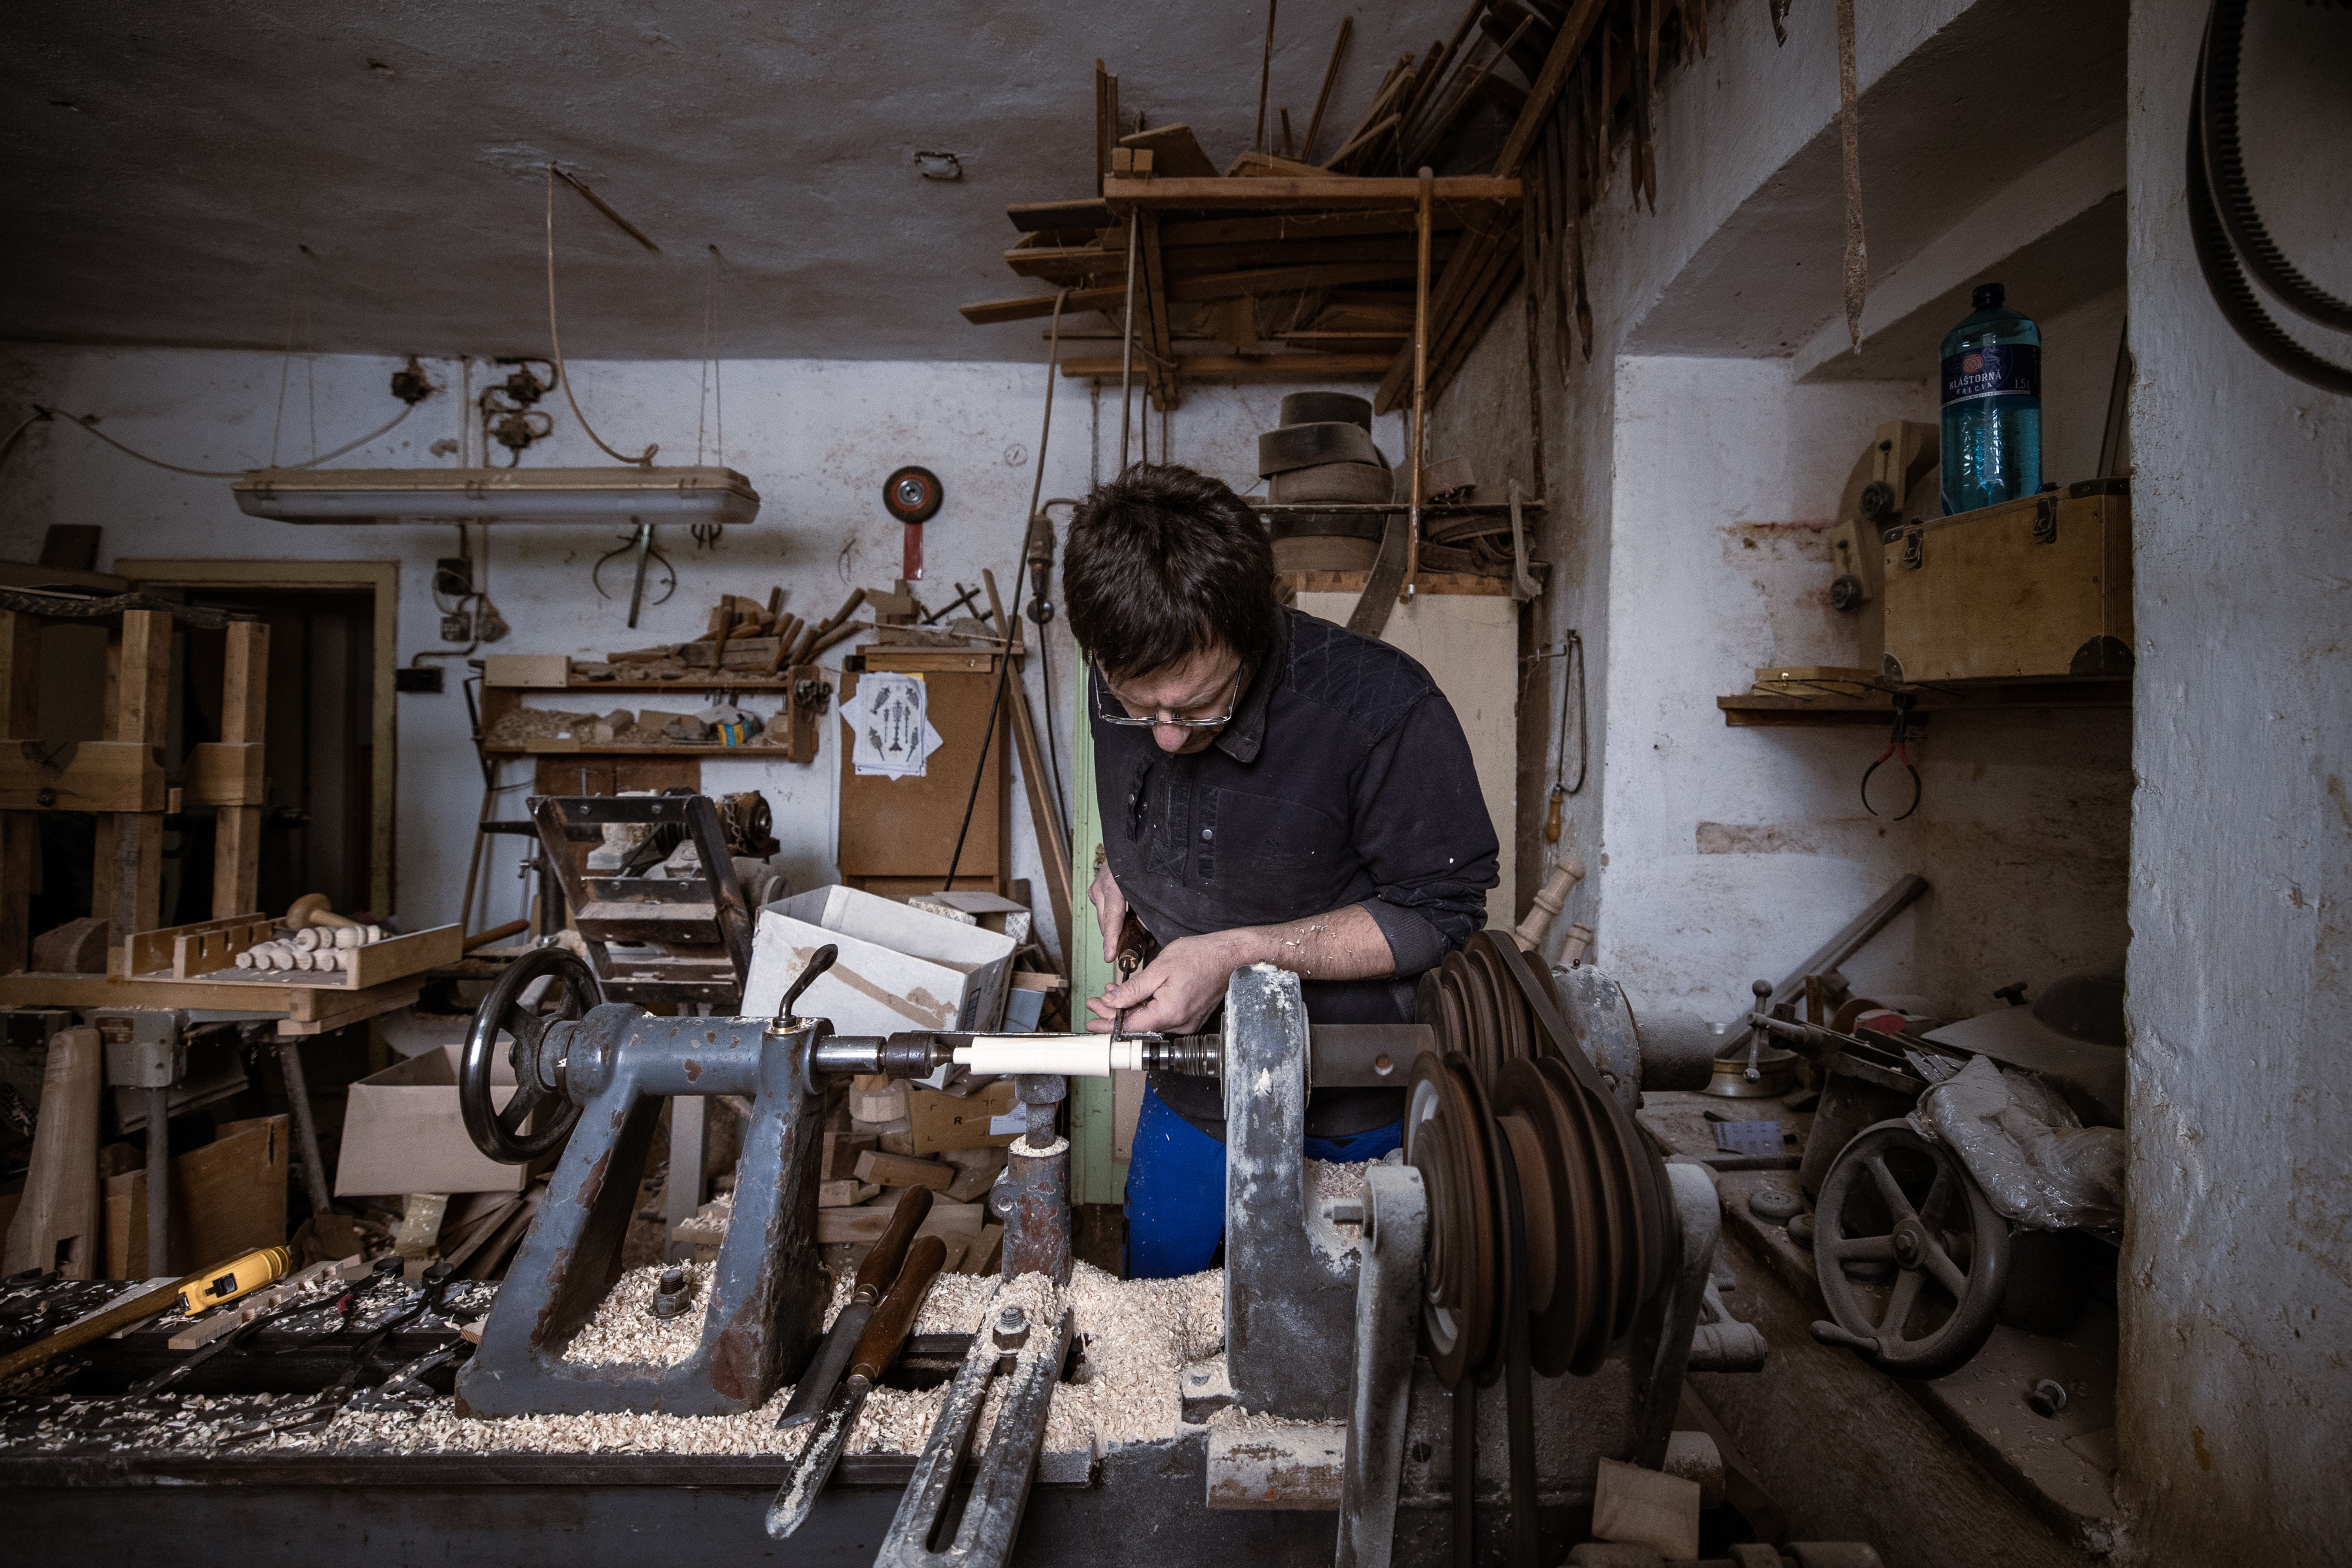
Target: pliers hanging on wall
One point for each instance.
(1898, 747)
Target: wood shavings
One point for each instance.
(624, 1330)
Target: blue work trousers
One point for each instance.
(1176, 1187)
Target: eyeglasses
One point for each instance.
(1102, 711)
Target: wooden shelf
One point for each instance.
(553, 748)
(1382, 509)
(1767, 708)
(696, 683)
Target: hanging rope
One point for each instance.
(644, 459)
(714, 397)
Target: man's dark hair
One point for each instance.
(1163, 562)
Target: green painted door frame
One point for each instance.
(1095, 1176)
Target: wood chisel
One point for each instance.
(877, 1349)
(222, 1282)
(874, 1276)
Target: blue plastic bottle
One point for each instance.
(1992, 406)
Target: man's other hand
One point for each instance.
(1173, 993)
(1110, 909)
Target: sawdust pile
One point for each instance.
(1138, 1335)
(624, 1330)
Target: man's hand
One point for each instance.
(1110, 909)
(1174, 992)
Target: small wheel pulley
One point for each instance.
(1910, 1254)
(912, 494)
(520, 1009)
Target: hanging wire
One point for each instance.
(644, 459)
(1020, 587)
(83, 423)
(713, 399)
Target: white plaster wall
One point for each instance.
(1731, 854)
(2236, 1398)
(816, 438)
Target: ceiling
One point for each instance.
(2008, 85)
(218, 174)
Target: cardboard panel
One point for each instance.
(898, 968)
(225, 1198)
(403, 1132)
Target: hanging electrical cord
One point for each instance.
(2227, 229)
(85, 422)
(644, 459)
(1020, 586)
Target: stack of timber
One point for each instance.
(1299, 266)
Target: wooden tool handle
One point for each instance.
(881, 1265)
(877, 1347)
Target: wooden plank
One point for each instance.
(200, 953)
(1084, 213)
(1293, 366)
(57, 1223)
(127, 878)
(141, 706)
(902, 1170)
(380, 963)
(1160, 368)
(1632, 1504)
(1454, 582)
(1045, 809)
(370, 1004)
(85, 776)
(245, 684)
(225, 1200)
(1567, 45)
(845, 1192)
(867, 1223)
(153, 950)
(237, 857)
(220, 774)
(907, 827)
(1332, 192)
(1175, 152)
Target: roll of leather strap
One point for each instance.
(1326, 407)
(1327, 526)
(1447, 474)
(1332, 482)
(1308, 445)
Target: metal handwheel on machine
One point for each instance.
(521, 1014)
(1902, 1207)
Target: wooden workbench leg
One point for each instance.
(20, 834)
(245, 705)
(127, 881)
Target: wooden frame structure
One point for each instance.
(121, 779)
(382, 577)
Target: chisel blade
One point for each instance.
(804, 1481)
(825, 1368)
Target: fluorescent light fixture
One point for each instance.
(706, 495)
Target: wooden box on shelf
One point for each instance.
(2034, 587)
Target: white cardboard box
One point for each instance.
(402, 1131)
(900, 968)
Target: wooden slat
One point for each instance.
(1242, 369)
(1045, 811)
(866, 1224)
(1335, 192)
(1083, 212)
(1078, 263)
(1565, 46)
(143, 678)
(220, 774)
(1160, 368)
(1175, 152)
(153, 950)
(1259, 282)
(85, 775)
(245, 684)
(237, 857)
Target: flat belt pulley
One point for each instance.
(1596, 1232)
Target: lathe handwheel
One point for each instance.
(1896, 1198)
(497, 1130)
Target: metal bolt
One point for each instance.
(672, 1294)
(1011, 1329)
(2047, 1399)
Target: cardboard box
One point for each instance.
(942, 1122)
(527, 670)
(403, 1132)
(898, 968)
(226, 1199)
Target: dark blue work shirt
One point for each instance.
(1344, 779)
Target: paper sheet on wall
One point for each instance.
(890, 728)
